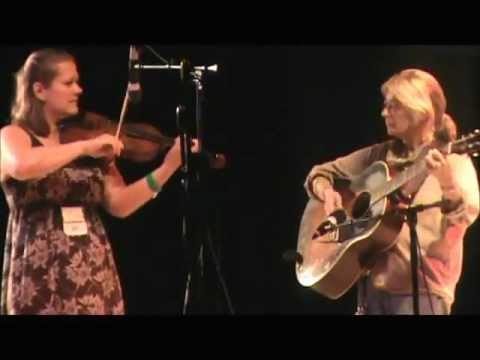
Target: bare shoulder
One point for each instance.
(14, 133)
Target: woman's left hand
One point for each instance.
(173, 159)
(439, 167)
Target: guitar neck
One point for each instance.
(418, 168)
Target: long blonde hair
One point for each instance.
(27, 109)
(421, 93)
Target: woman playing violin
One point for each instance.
(58, 259)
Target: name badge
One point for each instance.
(74, 223)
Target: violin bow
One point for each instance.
(133, 84)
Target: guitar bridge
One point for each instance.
(329, 238)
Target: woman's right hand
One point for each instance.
(331, 199)
(103, 146)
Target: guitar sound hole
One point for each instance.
(362, 205)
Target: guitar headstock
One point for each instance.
(467, 144)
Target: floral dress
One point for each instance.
(45, 270)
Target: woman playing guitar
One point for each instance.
(415, 117)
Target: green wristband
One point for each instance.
(152, 183)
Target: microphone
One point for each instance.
(211, 68)
(134, 88)
(292, 256)
(185, 69)
(337, 217)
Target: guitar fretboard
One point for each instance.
(416, 169)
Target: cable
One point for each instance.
(156, 54)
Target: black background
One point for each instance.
(275, 111)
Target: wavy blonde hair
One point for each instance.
(27, 109)
(421, 93)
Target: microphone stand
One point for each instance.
(197, 78)
(410, 214)
(194, 290)
(196, 232)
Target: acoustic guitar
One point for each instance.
(336, 249)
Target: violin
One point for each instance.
(142, 142)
